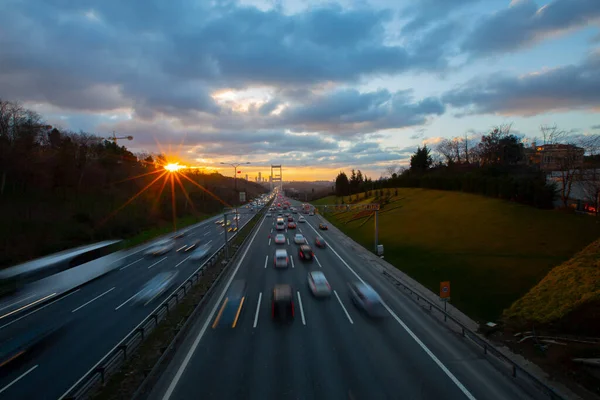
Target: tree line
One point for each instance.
(60, 189)
(500, 164)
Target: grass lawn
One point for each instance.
(492, 251)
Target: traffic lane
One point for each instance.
(467, 366)
(205, 319)
(97, 304)
(389, 353)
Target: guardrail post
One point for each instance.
(463, 332)
(123, 348)
(514, 371)
(100, 370)
(141, 331)
(155, 316)
(485, 349)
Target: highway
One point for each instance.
(331, 350)
(101, 314)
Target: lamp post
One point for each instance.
(235, 166)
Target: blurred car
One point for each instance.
(320, 242)
(287, 214)
(234, 229)
(291, 225)
(281, 258)
(299, 238)
(290, 219)
(269, 214)
(318, 284)
(200, 253)
(366, 298)
(219, 222)
(230, 229)
(160, 248)
(280, 238)
(311, 214)
(280, 226)
(323, 226)
(282, 303)
(301, 219)
(306, 253)
(34, 338)
(179, 235)
(155, 286)
(192, 246)
(232, 305)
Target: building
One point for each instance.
(246, 176)
(555, 157)
(259, 177)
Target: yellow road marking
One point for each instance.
(237, 315)
(220, 313)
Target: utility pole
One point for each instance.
(376, 229)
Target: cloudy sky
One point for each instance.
(316, 86)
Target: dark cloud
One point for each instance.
(569, 87)
(595, 127)
(164, 57)
(348, 111)
(269, 107)
(425, 12)
(524, 23)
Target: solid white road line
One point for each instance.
(129, 265)
(344, 308)
(269, 241)
(317, 260)
(266, 260)
(18, 301)
(127, 301)
(189, 355)
(159, 261)
(181, 248)
(207, 233)
(271, 230)
(209, 242)
(301, 308)
(292, 260)
(94, 299)
(18, 379)
(36, 310)
(257, 310)
(288, 240)
(410, 332)
(27, 306)
(182, 261)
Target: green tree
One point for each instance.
(421, 161)
(342, 185)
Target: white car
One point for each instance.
(160, 248)
(301, 219)
(281, 259)
(280, 226)
(318, 284)
(200, 253)
(268, 214)
(280, 238)
(156, 286)
(299, 238)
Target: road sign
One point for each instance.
(242, 197)
(445, 290)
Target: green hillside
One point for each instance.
(492, 251)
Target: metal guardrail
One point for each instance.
(488, 348)
(113, 360)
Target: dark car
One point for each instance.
(290, 219)
(291, 225)
(232, 305)
(366, 298)
(320, 242)
(282, 303)
(306, 253)
(323, 227)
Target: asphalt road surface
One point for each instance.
(101, 314)
(331, 350)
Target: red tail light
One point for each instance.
(301, 254)
(328, 287)
(272, 310)
(293, 309)
(287, 259)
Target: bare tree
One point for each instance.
(391, 170)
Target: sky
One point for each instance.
(316, 86)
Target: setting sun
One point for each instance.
(173, 167)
